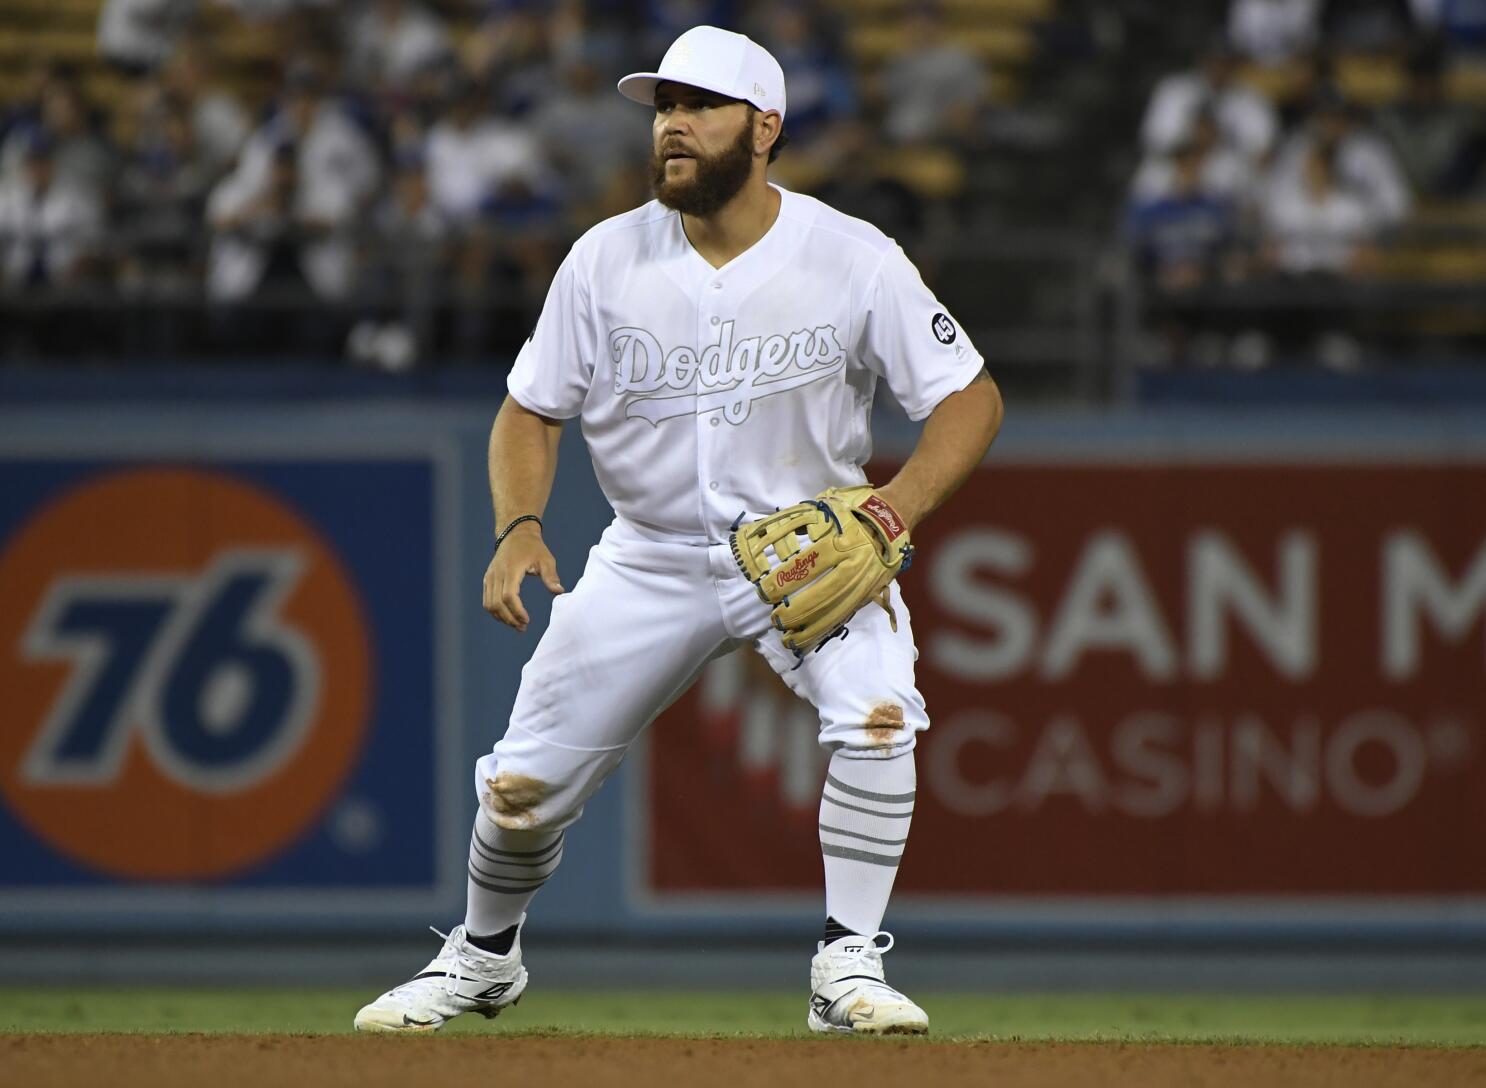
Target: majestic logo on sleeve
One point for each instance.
(727, 376)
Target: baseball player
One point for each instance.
(721, 346)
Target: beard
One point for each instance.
(715, 181)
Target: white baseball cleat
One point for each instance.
(461, 979)
(848, 992)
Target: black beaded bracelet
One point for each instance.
(507, 530)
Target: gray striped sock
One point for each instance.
(865, 810)
(506, 868)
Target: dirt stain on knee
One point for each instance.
(884, 724)
(511, 800)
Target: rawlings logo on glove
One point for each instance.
(821, 560)
(801, 568)
(877, 508)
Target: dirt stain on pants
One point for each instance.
(512, 799)
(884, 724)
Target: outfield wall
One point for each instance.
(1219, 675)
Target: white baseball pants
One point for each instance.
(632, 636)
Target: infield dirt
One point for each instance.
(227, 1061)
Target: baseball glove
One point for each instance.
(821, 560)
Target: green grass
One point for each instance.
(1422, 1021)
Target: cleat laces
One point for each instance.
(460, 959)
(868, 958)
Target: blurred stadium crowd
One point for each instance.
(1225, 182)
(1308, 134)
(415, 168)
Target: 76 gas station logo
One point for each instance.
(203, 670)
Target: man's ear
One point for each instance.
(765, 131)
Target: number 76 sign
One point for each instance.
(187, 670)
(218, 687)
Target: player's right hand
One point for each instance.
(520, 554)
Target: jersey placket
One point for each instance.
(712, 482)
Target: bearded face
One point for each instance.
(700, 184)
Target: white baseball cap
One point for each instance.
(714, 60)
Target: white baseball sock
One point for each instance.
(506, 869)
(865, 811)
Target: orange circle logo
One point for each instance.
(185, 673)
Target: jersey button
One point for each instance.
(712, 486)
(717, 287)
(715, 320)
(715, 421)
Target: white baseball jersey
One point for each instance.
(709, 392)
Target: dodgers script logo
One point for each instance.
(726, 376)
(187, 674)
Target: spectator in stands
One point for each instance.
(1363, 163)
(407, 216)
(1315, 223)
(488, 176)
(49, 224)
(405, 277)
(21, 116)
(255, 243)
(523, 221)
(1274, 31)
(511, 53)
(1318, 229)
(933, 89)
(1428, 132)
(162, 195)
(590, 134)
(291, 206)
(1182, 233)
(1245, 118)
(136, 36)
(855, 185)
(79, 155)
(219, 125)
(821, 90)
(473, 156)
(389, 43)
(1224, 173)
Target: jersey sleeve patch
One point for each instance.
(910, 339)
(943, 328)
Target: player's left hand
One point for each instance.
(522, 553)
